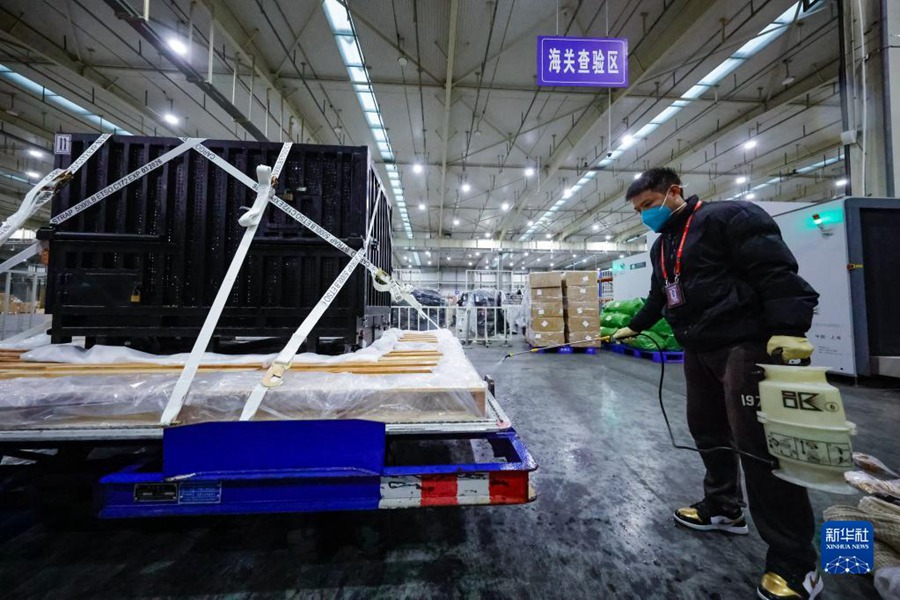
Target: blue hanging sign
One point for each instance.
(597, 62)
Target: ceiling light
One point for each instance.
(428, 253)
(456, 221)
(567, 193)
(504, 207)
(595, 226)
(417, 168)
(530, 222)
(478, 254)
(840, 182)
(549, 235)
(751, 196)
(621, 256)
(487, 234)
(627, 141)
(466, 187)
(741, 180)
(529, 172)
(429, 262)
(538, 260)
(170, 119)
(421, 206)
(32, 174)
(574, 256)
(750, 145)
(179, 47)
(551, 264)
(526, 254)
(470, 263)
(35, 153)
(402, 61)
(637, 175)
(609, 237)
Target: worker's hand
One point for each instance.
(792, 350)
(624, 332)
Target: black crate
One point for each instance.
(146, 262)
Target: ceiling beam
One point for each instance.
(234, 33)
(424, 242)
(791, 95)
(448, 92)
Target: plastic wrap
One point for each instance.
(482, 312)
(453, 391)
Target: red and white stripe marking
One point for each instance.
(458, 489)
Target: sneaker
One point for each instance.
(700, 516)
(773, 586)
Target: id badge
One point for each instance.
(674, 295)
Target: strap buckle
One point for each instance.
(275, 375)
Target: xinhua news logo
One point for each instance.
(848, 547)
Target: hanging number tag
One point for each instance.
(674, 296)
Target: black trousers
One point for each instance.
(722, 401)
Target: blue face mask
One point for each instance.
(656, 217)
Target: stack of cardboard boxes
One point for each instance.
(582, 308)
(547, 325)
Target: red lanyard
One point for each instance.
(662, 248)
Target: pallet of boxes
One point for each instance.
(581, 305)
(545, 323)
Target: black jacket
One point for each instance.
(738, 278)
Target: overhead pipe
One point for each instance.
(125, 12)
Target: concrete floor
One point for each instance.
(600, 528)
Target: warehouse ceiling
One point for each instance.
(741, 98)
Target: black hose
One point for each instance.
(662, 407)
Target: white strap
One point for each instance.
(133, 176)
(32, 250)
(275, 375)
(176, 400)
(44, 191)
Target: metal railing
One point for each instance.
(486, 325)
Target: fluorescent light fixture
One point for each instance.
(504, 207)
(762, 39)
(374, 120)
(384, 148)
(567, 193)
(466, 187)
(750, 145)
(418, 168)
(358, 74)
(394, 175)
(170, 119)
(32, 174)
(666, 114)
(694, 93)
(719, 73)
(349, 50)
(35, 153)
(750, 196)
(627, 141)
(338, 17)
(178, 47)
(367, 100)
(840, 182)
(379, 135)
(646, 130)
(741, 180)
(529, 172)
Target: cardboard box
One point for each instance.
(545, 338)
(584, 324)
(582, 293)
(549, 279)
(582, 309)
(583, 278)
(584, 339)
(551, 294)
(547, 324)
(546, 309)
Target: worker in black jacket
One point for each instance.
(728, 285)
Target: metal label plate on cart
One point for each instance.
(156, 492)
(200, 493)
